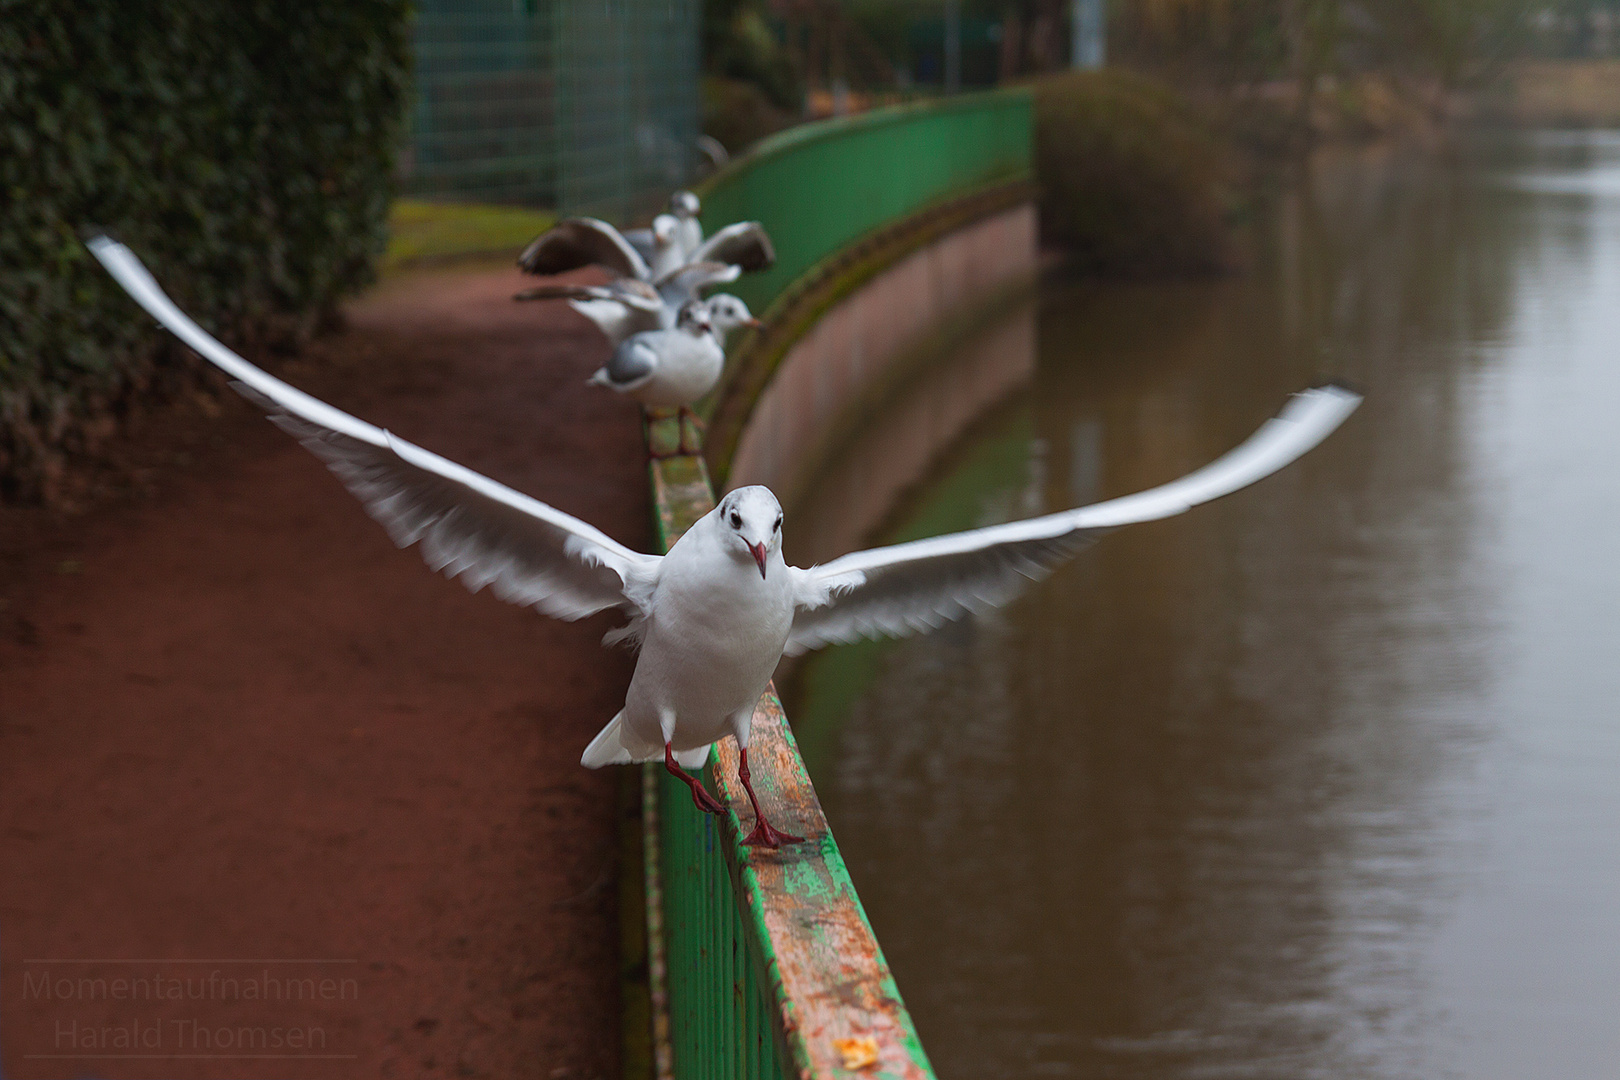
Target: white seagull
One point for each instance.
(669, 369)
(715, 615)
(746, 242)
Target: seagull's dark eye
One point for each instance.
(777, 526)
(736, 520)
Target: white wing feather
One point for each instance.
(744, 243)
(466, 524)
(906, 588)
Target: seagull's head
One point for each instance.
(750, 522)
(695, 318)
(663, 229)
(684, 204)
(727, 313)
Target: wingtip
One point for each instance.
(1335, 393)
(1343, 386)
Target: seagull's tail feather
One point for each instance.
(608, 748)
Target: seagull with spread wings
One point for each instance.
(714, 616)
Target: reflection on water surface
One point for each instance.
(1319, 781)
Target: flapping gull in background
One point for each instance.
(672, 258)
(714, 616)
(574, 243)
(683, 210)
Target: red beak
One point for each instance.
(759, 557)
(754, 323)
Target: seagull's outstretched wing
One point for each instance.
(688, 282)
(643, 241)
(576, 242)
(743, 244)
(627, 291)
(467, 524)
(892, 591)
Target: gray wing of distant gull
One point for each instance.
(578, 242)
(744, 244)
(688, 282)
(642, 240)
(631, 364)
(627, 291)
(466, 524)
(906, 588)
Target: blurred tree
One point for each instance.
(1457, 41)
(740, 43)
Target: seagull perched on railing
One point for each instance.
(670, 369)
(714, 616)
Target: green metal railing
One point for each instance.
(822, 187)
(762, 963)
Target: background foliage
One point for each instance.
(1132, 181)
(245, 148)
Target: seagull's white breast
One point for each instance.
(713, 638)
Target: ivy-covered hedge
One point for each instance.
(245, 149)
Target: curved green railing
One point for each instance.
(821, 187)
(762, 964)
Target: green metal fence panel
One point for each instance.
(628, 117)
(821, 187)
(484, 127)
(590, 106)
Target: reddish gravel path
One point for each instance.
(236, 724)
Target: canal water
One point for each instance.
(1322, 780)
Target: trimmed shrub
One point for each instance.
(245, 148)
(1132, 182)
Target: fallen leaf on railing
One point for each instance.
(859, 1053)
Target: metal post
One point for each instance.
(953, 46)
(1090, 34)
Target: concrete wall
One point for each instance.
(851, 379)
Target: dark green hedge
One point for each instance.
(244, 148)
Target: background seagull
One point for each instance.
(714, 616)
(684, 208)
(579, 242)
(670, 369)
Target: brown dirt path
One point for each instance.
(237, 725)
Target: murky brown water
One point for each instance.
(1319, 781)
